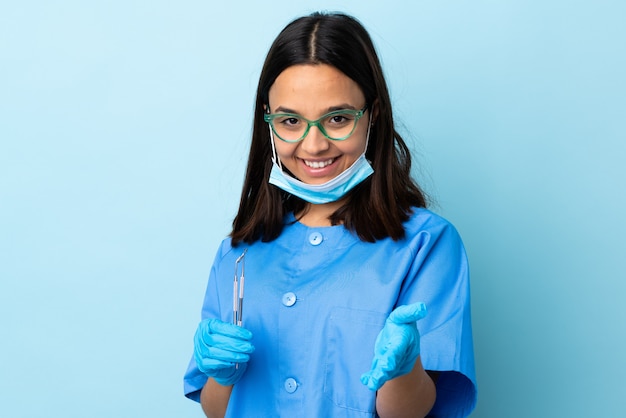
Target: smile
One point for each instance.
(318, 164)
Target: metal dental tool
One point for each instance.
(238, 284)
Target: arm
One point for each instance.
(214, 399)
(221, 351)
(404, 389)
(410, 395)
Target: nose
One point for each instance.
(315, 142)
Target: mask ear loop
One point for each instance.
(367, 138)
(275, 158)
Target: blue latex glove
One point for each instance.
(397, 346)
(221, 350)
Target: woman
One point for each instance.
(341, 256)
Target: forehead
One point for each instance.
(313, 88)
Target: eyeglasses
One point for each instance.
(336, 125)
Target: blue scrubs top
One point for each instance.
(315, 300)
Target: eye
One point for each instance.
(289, 121)
(339, 119)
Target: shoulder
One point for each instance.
(225, 247)
(426, 231)
(225, 250)
(424, 220)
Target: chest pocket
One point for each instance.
(350, 349)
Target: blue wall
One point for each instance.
(124, 128)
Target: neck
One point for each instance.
(318, 215)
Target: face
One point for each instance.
(312, 91)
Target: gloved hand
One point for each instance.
(397, 346)
(221, 350)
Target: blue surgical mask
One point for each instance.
(330, 191)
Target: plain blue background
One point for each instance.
(124, 128)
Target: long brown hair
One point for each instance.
(377, 207)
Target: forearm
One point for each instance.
(214, 399)
(411, 395)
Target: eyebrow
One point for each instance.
(343, 106)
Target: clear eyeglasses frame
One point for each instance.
(337, 125)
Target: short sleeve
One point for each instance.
(194, 380)
(439, 277)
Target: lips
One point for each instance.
(318, 164)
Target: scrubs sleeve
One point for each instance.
(439, 276)
(194, 380)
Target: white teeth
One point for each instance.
(318, 164)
